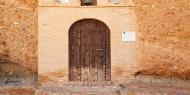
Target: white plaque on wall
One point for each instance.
(114, 1)
(128, 36)
(63, 1)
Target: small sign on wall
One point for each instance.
(114, 1)
(128, 36)
(63, 1)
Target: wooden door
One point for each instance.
(89, 51)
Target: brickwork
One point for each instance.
(72, 3)
(54, 24)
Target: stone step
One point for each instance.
(95, 94)
(94, 90)
(77, 93)
(81, 83)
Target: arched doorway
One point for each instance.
(89, 51)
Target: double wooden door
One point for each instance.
(89, 51)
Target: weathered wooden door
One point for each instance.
(89, 51)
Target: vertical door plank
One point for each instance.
(74, 49)
(85, 52)
(93, 65)
(78, 54)
(108, 56)
(71, 59)
(98, 56)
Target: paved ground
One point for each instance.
(146, 89)
(142, 86)
(129, 89)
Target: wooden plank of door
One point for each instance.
(71, 56)
(93, 65)
(74, 57)
(98, 55)
(78, 55)
(108, 56)
(85, 54)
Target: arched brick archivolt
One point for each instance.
(89, 51)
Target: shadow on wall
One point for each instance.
(14, 74)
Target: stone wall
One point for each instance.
(164, 37)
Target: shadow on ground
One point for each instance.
(18, 91)
(15, 74)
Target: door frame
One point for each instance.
(108, 48)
